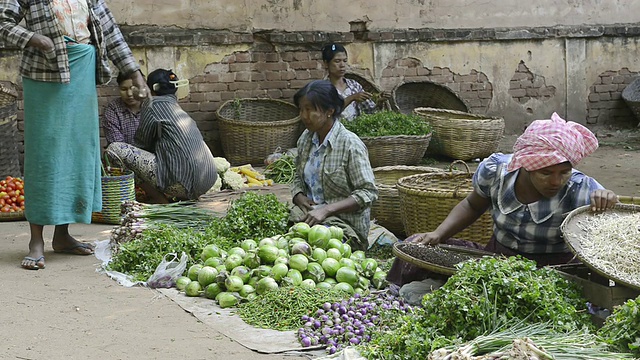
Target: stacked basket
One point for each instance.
(460, 135)
(396, 149)
(386, 210)
(631, 96)
(409, 95)
(251, 129)
(427, 199)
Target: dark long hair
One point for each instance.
(330, 50)
(323, 95)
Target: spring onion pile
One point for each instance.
(612, 244)
(534, 341)
(139, 217)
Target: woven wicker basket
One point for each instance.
(9, 153)
(460, 135)
(632, 200)
(12, 216)
(117, 186)
(386, 210)
(370, 87)
(251, 129)
(427, 199)
(631, 96)
(412, 94)
(396, 150)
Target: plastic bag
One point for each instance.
(271, 158)
(168, 271)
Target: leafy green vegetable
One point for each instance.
(482, 297)
(140, 256)
(621, 330)
(254, 216)
(387, 123)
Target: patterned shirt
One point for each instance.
(73, 18)
(314, 165)
(355, 108)
(529, 228)
(119, 122)
(345, 171)
(54, 66)
(182, 156)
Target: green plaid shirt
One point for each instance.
(38, 17)
(346, 171)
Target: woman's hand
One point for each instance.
(603, 199)
(361, 96)
(317, 216)
(139, 86)
(41, 42)
(303, 202)
(430, 238)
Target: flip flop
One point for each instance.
(35, 263)
(76, 249)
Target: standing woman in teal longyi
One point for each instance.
(66, 48)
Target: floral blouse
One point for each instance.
(73, 18)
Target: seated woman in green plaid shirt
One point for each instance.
(334, 183)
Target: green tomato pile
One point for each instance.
(306, 256)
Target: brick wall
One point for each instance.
(525, 85)
(605, 103)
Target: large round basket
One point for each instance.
(427, 199)
(9, 152)
(251, 129)
(397, 149)
(117, 187)
(461, 135)
(409, 95)
(575, 234)
(386, 210)
(370, 87)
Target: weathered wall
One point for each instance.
(299, 15)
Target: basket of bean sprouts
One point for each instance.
(607, 242)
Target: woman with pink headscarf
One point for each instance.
(529, 193)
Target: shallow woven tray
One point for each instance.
(438, 268)
(370, 87)
(251, 129)
(396, 150)
(461, 135)
(386, 210)
(572, 233)
(427, 199)
(12, 216)
(409, 95)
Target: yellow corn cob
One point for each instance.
(238, 168)
(254, 181)
(252, 173)
(267, 182)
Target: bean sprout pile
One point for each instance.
(612, 245)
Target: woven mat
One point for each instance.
(218, 202)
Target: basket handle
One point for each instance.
(459, 162)
(106, 160)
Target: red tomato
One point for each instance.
(2, 202)
(5, 208)
(11, 193)
(19, 186)
(8, 201)
(21, 198)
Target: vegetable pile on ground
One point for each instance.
(282, 170)
(340, 324)
(308, 257)
(237, 177)
(484, 296)
(388, 123)
(621, 329)
(11, 195)
(251, 216)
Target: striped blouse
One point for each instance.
(182, 156)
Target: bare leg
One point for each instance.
(65, 243)
(35, 259)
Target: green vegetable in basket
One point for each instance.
(388, 123)
(621, 330)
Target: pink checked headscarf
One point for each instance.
(551, 142)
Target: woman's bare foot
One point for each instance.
(35, 259)
(65, 243)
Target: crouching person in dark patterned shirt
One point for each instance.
(121, 116)
(169, 153)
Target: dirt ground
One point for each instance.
(69, 311)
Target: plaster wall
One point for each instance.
(299, 15)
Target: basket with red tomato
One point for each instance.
(11, 198)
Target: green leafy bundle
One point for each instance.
(621, 330)
(484, 296)
(254, 216)
(387, 123)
